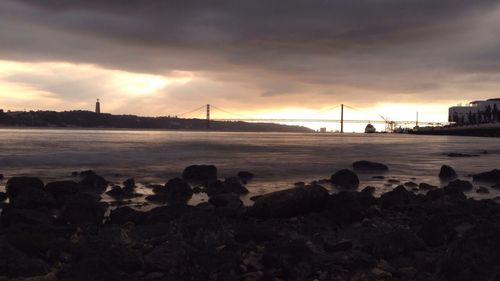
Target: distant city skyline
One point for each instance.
(258, 58)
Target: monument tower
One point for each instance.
(98, 107)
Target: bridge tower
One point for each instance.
(208, 116)
(342, 118)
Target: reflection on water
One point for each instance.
(278, 159)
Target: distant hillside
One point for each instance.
(88, 119)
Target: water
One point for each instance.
(278, 159)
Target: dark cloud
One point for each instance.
(327, 47)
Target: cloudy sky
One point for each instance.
(267, 58)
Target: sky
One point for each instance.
(260, 58)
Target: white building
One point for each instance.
(477, 110)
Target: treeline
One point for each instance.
(489, 115)
(88, 119)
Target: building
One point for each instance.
(322, 130)
(476, 112)
(98, 107)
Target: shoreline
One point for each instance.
(62, 230)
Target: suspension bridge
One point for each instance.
(390, 125)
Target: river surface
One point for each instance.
(277, 159)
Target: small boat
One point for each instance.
(370, 129)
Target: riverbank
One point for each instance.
(324, 230)
(479, 130)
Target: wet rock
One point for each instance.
(290, 202)
(245, 176)
(171, 257)
(83, 208)
(410, 184)
(129, 184)
(436, 230)
(395, 242)
(178, 191)
(1, 177)
(202, 173)
(157, 198)
(496, 186)
(299, 184)
(3, 196)
(62, 190)
(11, 216)
(483, 190)
(447, 173)
(397, 198)
(165, 214)
(369, 166)
(378, 177)
(14, 263)
(459, 185)
(233, 185)
(393, 181)
(344, 245)
(120, 193)
(245, 232)
(345, 178)
(491, 176)
(229, 200)
(75, 173)
(126, 214)
(426, 186)
(255, 197)
(93, 182)
(453, 154)
(215, 187)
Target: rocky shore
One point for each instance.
(63, 231)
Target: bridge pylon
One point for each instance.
(208, 116)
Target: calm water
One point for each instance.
(278, 159)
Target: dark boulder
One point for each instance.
(201, 173)
(166, 214)
(16, 185)
(245, 176)
(426, 186)
(171, 257)
(397, 241)
(369, 190)
(459, 185)
(454, 154)
(1, 177)
(290, 202)
(399, 197)
(229, 200)
(62, 190)
(447, 173)
(369, 166)
(157, 198)
(178, 191)
(483, 190)
(3, 196)
(11, 216)
(410, 184)
(129, 184)
(83, 208)
(215, 187)
(491, 176)
(345, 178)
(233, 185)
(121, 193)
(94, 183)
(436, 230)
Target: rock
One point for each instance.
(170, 257)
(226, 200)
(348, 206)
(14, 263)
(410, 184)
(233, 185)
(245, 176)
(157, 198)
(475, 256)
(255, 197)
(62, 190)
(75, 173)
(369, 189)
(345, 178)
(482, 189)
(398, 197)
(203, 173)
(496, 186)
(126, 214)
(369, 166)
(26, 192)
(461, 155)
(120, 193)
(16, 185)
(3, 196)
(93, 182)
(178, 191)
(345, 245)
(393, 243)
(1, 177)
(491, 176)
(245, 232)
(378, 177)
(299, 184)
(290, 202)
(436, 231)
(426, 186)
(129, 184)
(215, 187)
(447, 173)
(11, 216)
(393, 181)
(459, 185)
(83, 208)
